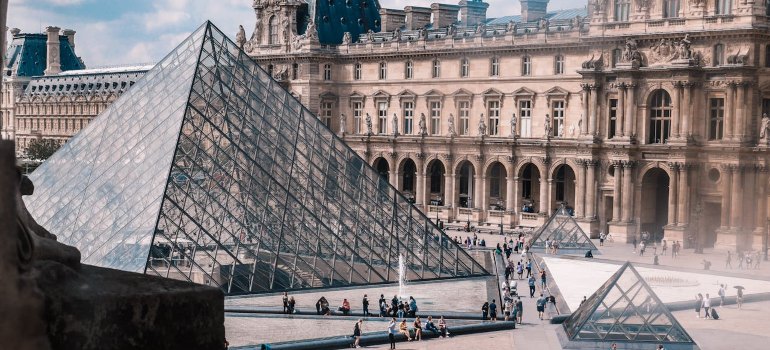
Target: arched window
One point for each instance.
(327, 72)
(526, 66)
(494, 67)
(719, 55)
(383, 70)
(558, 65)
(660, 117)
(272, 30)
(465, 68)
(622, 8)
(408, 70)
(670, 8)
(357, 71)
(436, 68)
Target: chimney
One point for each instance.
(416, 17)
(444, 15)
(53, 57)
(391, 19)
(70, 34)
(473, 12)
(533, 10)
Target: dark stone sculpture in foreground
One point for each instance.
(50, 301)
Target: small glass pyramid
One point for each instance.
(561, 227)
(207, 170)
(625, 309)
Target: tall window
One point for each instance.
(357, 71)
(526, 182)
(622, 8)
(327, 72)
(358, 114)
(436, 69)
(616, 54)
(493, 110)
(273, 30)
(465, 115)
(670, 8)
(294, 71)
(494, 69)
(724, 7)
(558, 65)
(382, 117)
(465, 68)
(495, 180)
(408, 111)
(767, 50)
(719, 55)
(435, 117)
(526, 66)
(408, 70)
(326, 113)
(660, 117)
(716, 118)
(558, 117)
(613, 118)
(525, 118)
(383, 70)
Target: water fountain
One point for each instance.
(401, 277)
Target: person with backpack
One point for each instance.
(412, 307)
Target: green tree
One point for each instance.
(41, 149)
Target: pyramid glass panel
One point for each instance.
(561, 227)
(625, 309)
(207, 170)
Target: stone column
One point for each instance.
(675, 117)
(735, 196)
(627, 192)
(509, 185)
(516, 195)
(594, 109)
(419, 188)
(449, 189)
(729, 112)
(393, 177)
(630, 115)
(621, 111)
(673, 186)
(684, 195)
(726, 185)
(543, 205)
(478, 191)
(484, 194)
(740, 111)
(685, 110)
(761, 180)
(580, 189)
(590, 204)
(616, 192)
(551, 195)
(586, 110)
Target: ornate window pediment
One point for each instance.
(524, 94)
(407, 95)
(493, 94)
(381, 96)
(433, 95)
(357, 97)
(328, 96)
(557, 93)
(463, 95)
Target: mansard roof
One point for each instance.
(334, 18)
(551, 16)
(26, 55)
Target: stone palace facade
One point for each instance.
(637, 115)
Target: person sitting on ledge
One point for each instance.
(589, 254)
(404, 329)
(430, 326)
(345, 308)
(442, 327)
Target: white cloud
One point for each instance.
(65, 2)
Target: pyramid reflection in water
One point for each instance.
(208, 170)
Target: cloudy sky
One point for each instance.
(113, 32)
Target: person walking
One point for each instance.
(493, 311)
(484, 310)
(520, 269)
(721, 294)
(285, 302)
(357, 333)
(529, 268)
(740, 260)
(642, 245)
(292, 302)
(707, 305)
(729, 260)
(507, 309)
(601, 238)
(392, 332)
(698, 304)
(541, 306)
(417, 328)
(664, 248)
(739, 297)
(531, 282)
(365, 305)
(634, 243)
(542, 279)
(519, 310)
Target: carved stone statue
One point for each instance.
(451, 123)
(560, 131)
(397, 34)
(683, 49)
(580, 124)
(764, 130)
(481, 29)
(311, 32)
(422, 125)
(346, 39)
(631, 54)
(395, 124)
(575, 22)
(542, 24)
(572, 129)
(547, 125)
(450, 32)
(240, 38)
(368, 124)
(370, 36)
(482, 126)
(642, 5)
(599, 6)
(343, 123)
(513, 125)
(511, 27)
(422, 33)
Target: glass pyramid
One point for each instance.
(563, 228)
(207, 170)
(625, 309)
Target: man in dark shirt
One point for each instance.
(493, 311)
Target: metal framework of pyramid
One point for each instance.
(207, 170)
(625, 309)
(562, 227)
